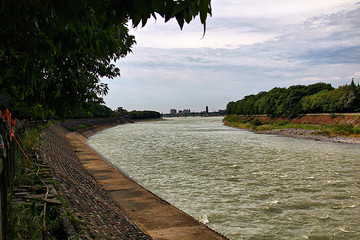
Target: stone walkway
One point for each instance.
(113, 206)
(104, 219)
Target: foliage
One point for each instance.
(299, 99)
(32, 135)
(53, 53)
(143, 114)
(252, 123)
(28, 219)
(256, 122)
(340, 129)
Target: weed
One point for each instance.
(330, 130)
(281, 123)
(31, 219)
(256, 122)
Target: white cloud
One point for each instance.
(236, 23)
(239, 55)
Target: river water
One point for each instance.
(241, 184)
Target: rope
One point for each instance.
(22, 150)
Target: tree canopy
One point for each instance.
(299, 99)
(54, 52)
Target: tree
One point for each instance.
(299, 99)
(54, 52)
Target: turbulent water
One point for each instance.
(241, 184)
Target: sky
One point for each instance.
(249, 46)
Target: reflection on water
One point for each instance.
(243, 185)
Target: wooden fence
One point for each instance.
(8, 152)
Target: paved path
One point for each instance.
(108, 199)
(104, 219)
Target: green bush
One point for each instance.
(344, 129)
(256, 122)
(282, 123)
(356, 130)
(340, 129)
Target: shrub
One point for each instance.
(256, 122)
(282, 123)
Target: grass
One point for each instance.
(26, 221)
(253, 123)
(79, 127)
(340, 129)
(31, 139)
(30, 219)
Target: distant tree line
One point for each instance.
(102, 111)
(299, 99)
(143, 114)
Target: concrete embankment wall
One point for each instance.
(103, 196)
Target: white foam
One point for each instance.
(203, 219)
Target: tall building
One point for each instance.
(207, 109)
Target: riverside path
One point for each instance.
(112, 205)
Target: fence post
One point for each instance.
(3, 192)
(3, 201)
(7, 156)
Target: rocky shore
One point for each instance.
(309, 134)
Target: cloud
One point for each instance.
(240, 55)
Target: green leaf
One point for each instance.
(180, 19)
(159, 6)
(203, 8)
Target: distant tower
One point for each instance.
(207, 109)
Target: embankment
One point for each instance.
(316, 120)
(90, 126)
(112, 205)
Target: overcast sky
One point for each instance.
(249, 46)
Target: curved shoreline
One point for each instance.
(309, 134)
(304, 134)
(155, 217)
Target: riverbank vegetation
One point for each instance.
(296, 100)
(35, 210)
(330, 129)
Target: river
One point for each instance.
(241, 184)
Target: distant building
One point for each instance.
(172, 111)
(186, 111)
(207, 109)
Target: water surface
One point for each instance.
(241, 184)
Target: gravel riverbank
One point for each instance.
(309, 134)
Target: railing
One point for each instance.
(8, 151)
(6, 174)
